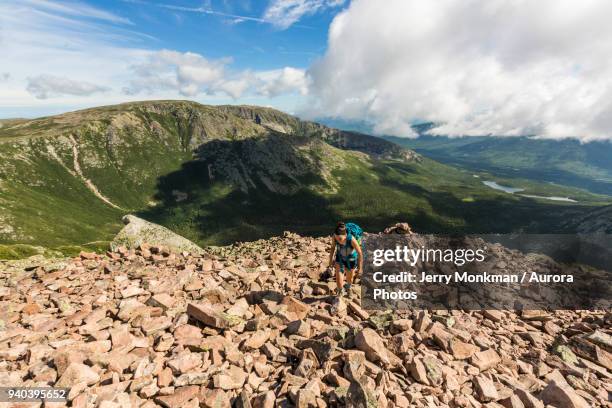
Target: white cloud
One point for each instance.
(76, 9)
(208, 10)
(285, 13)
(286, 80)
(82, 44)
(498, 67)
(235, 88)
(45, 86)
(280, 13)
(190, 74)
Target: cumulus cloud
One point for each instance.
(500, 67)
(284, 13)
(45, 86)
(191, 74)
(286, 80)
(188, 73)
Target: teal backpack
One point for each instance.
(353, 230)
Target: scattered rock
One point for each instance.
(230, 379)
(211, 317)
(179, 398)
(485, 389)
(77, 373)
(358, 396)
(371, 343)
(485, 359)
(249, 326)
(562, 396)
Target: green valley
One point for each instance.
(219, 174)
(566, 162)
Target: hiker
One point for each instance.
(346, 254)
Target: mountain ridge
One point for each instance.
(569, 162)
(117, 153)
(219, 174)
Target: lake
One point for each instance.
(512, 190)
(494, 185)
(553, 198)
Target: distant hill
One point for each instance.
(567, 162)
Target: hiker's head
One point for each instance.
(340, 231)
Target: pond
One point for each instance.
(494, 185)
(512, 190)
(553, 198)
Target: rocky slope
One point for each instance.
(597, 221)
(253, 325)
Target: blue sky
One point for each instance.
(101, 43)
(220, 29)
(478, 67)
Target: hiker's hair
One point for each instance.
(340, 228)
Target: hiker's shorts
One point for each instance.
(346, 263)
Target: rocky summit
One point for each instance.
(256, 325)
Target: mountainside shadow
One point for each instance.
(484, 215)
(242, 190)
(227, 192)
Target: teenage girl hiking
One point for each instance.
(346, 255)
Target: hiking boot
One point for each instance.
(347, 290)
(334, 305)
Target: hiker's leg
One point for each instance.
(339, 276)
(350, 274)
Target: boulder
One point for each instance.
(77, 373)
(211, 317)
(562, 396)
(138, 231)
(373, 346)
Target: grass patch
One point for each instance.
(20, 251)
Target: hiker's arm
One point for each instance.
(332, 252)
(357, 247)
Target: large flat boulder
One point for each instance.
(138, 231)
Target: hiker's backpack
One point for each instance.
(353, 230)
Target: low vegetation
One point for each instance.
(222, 174)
